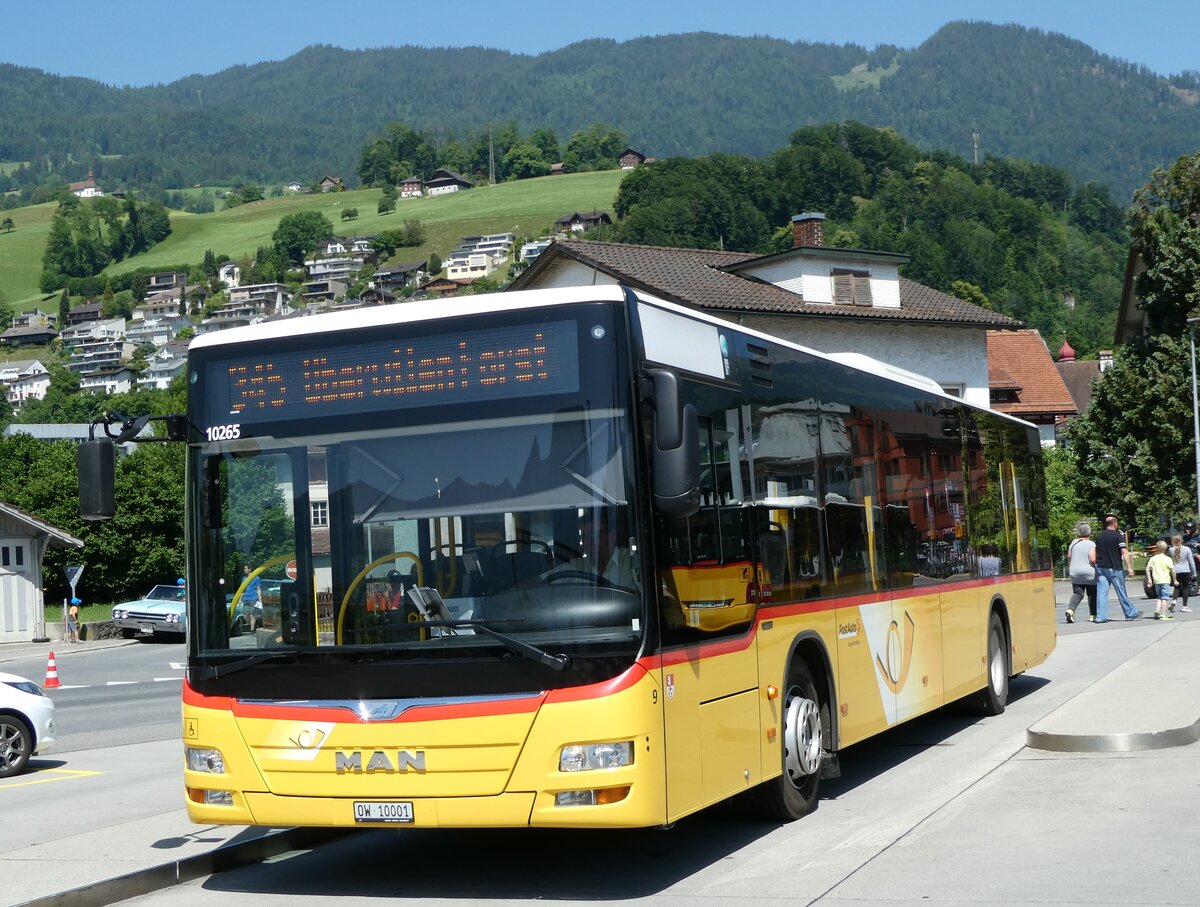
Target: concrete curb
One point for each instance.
(1113, 743)
(175, 872)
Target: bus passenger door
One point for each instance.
(709, 665)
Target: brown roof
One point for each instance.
(698, 278)
(1079, 377)
(1020, 359)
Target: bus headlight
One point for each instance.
(205, 760)
(579, 758)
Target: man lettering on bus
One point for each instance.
(1111, 553)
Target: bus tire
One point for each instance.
(793, 793)
(994, 695)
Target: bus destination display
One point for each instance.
(465, 367)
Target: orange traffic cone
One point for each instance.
(52, 682)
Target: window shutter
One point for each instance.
(862, 289)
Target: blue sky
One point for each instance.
(139, 42)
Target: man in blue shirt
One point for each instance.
(252, 600)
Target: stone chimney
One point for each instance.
(808, 229)
(1106, 360)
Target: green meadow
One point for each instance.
(523, 207)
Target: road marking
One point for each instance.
(167, 679)
(120, 683)
(61, 774)
(177, 666)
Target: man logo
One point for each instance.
(895, 671)
(379, 762)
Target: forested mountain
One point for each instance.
(1034, 95)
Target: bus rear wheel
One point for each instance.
(794, 793)
(994, 696)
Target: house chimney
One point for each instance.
(808, 229)
(1106, 360)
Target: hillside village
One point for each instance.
(101, 351)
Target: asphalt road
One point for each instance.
(112, 695)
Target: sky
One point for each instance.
(142, 42)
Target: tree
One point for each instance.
(7, 225)
(300, 233)
(435, 263)
(386, 205)
(349, 214)
(64, 309)
(1132, 448)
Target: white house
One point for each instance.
(828, 299)
(24, 540)
(166, 362)
(24, 379)
(117, 379)
(230, 274)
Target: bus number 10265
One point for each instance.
(223, 432)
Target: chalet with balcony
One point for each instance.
(578, 221)
(272, 298)
(85, 312)
(400, 274)
(412, 187)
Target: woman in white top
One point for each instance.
(1081, 563)
(1184, 563)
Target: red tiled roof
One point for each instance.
(1020, 359)
(695, 277)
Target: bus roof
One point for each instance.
(408, 312)
(434, 309)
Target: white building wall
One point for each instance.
(951, 356)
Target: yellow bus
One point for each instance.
(580, 558)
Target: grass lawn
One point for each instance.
(524, 207)
(21, 255)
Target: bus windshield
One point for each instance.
(420, 540)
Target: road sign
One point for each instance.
(290, 570)
(73, 572)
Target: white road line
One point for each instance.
(120, 683)
(73, 686)
(177, 666)
(167, 679)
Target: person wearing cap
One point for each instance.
(1190, 538)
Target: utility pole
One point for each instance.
(975, 142)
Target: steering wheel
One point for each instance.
(362, 574)
(591, 578)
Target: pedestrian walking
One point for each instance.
(1081, 565)
(1184, 562)
(1111, 554)
(1160, 573)
(1190, 537)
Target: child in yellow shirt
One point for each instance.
(1160, 571)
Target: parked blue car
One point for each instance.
(163, 610)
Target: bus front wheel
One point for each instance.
(994, 696)
(794, 793)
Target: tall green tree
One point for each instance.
(1132, 448)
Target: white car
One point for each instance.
(26, 723)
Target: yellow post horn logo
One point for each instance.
(895, 676)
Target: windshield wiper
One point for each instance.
(232, 667)
(541, 656)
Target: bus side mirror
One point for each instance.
(675, 463)
(96, 460)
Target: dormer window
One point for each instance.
(851, 287)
